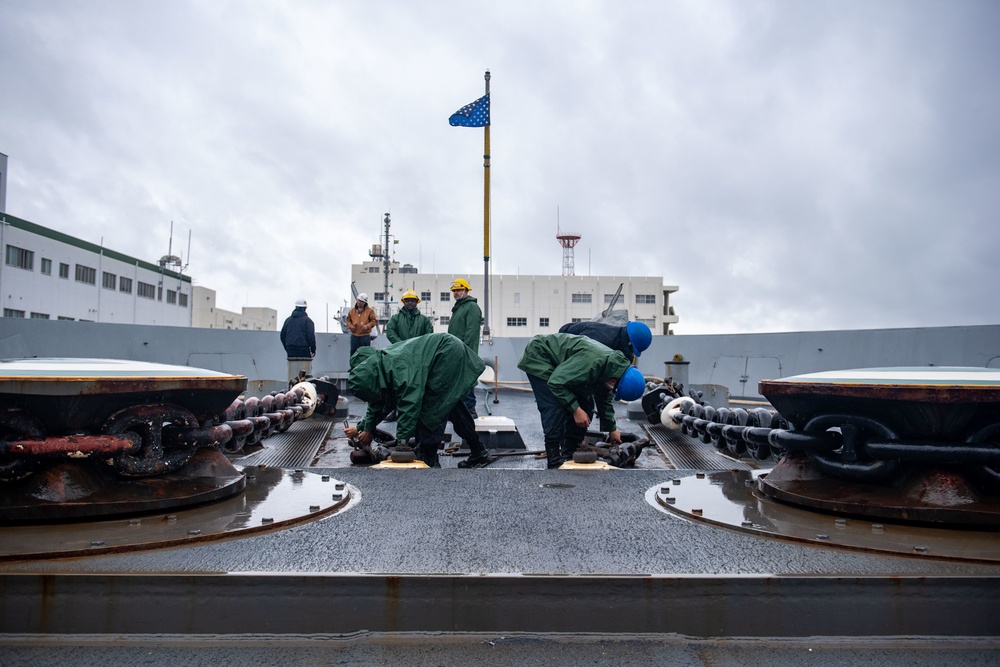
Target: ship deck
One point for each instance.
(507, 564)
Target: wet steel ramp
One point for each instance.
(688, 453)
(295, 448)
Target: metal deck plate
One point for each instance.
(730, 499)
(273, 499)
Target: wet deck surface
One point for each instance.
(582, 532)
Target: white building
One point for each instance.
(46, 274)
(522, 305)
(205, 314)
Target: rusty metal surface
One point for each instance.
(917, 394)
(74, 491)
(926, 495)
(731, 499)
(272, 499)
(70, 394)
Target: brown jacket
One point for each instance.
(361, 322)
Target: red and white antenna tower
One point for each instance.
(568, 241)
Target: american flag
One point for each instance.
(476, 114)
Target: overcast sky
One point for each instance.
(790, 165)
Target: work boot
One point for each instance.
(429, 455)
(553, 455)
(479, 456)
(569, 445)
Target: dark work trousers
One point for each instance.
(359, 341)
(562, 435)
(465, 428)
(470, 402)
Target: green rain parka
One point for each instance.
(421, 379)
(466, 318)
(576, 366)
(407, 324)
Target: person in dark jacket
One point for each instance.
(568, 375)
(466, 318)
(424, 380)
(408, 322)
(298, 337)
(630, 339)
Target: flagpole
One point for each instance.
(486, 222)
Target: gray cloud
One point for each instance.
(789, 165)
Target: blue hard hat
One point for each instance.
(631, 386)
(639, 335)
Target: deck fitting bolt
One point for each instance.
(700, 475)
(340, 486)
(664, 489)
(325, 478)
(822, 536)
(194, 531)
(135, 522)
(841, 522)
(97, 543)
(267, 519)
(170, 517)
(670, 500)
(314, 508)
(921, 549)
(338, 496)
(747, 524)
(877, 528)
(675, 482)
(698, 512)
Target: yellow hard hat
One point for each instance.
(410, 294)
(460, 283)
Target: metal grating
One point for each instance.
(687, 453)
(295, 448)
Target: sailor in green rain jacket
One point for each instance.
(424, 380)
(408, 322)
(568, 374)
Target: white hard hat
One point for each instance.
(301, 303)
(363, 297)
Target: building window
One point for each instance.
(373, 269)
(159, 293)
(46, 266)
(145, 290)
(581, 298)
(65, 319)
(125, 285)
(21, 258)
(39, 316)
(109, 280)
(10, 312)
(608, 298)
(445, 321)
(517, 321)
(645, 298)
(379, 296)
(85, 274)
(445, 296)
(576, 319)
(543, 322)
(425, 296)
(182, 300)
(649, 323)
(63, 270)
(171, 297)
